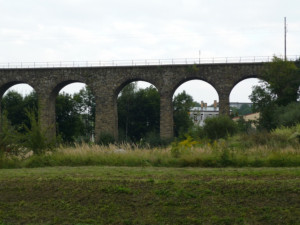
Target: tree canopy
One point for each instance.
(138, 112)
(182, 104)
(283, 80)
(279, 89)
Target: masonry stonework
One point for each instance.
(107, 82)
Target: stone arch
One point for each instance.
(47, 100)
(246, 84)
(7, 85)
(182, 81)
(123, 83)
(242, 78)
(58, 86)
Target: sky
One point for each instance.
(94, 30)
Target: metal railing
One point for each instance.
(144, 62)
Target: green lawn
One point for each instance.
(137, 195)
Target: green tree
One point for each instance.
(283, 79)
(280, 88)
(125, 104)
(16, 105)
(85, 105)
(243, 110)
(182, 104)
(288, 115)
(13, 104)
(138, 112)
(69, 122)
(264, 102)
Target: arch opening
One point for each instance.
(138, 107)
(240, 101)
(75, 112)
(16, 100)
(193, 102)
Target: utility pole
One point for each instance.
(285, 31)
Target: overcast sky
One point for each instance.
(93, 30)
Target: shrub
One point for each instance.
(106, 139)
(35, 137)
(196, 132)
(244, 126)
(9, 138)
(153, 140)
(289, 115)
(184, 146)
(219, 127)
(288, 134)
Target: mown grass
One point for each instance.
(149, 195)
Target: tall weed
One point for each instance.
(9, 138)
(35, 137)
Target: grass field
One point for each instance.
(149, 195)
(209, 155)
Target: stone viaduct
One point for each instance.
(107, 82)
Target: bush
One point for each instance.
(106, 139)
(35, 137)
(219, 127)
(196, 132)
(9, 138)
(289, 115)
(153, 140)
(244, 126)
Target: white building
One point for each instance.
(199, 114)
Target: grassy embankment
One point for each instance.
(278, 148)
(186, 155)
(123, 195)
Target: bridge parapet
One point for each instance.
(141, 62)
